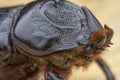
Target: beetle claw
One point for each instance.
(111, 43)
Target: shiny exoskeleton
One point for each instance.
(45, 39)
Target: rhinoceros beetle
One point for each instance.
(46, 38)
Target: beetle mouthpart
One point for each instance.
(87, 58)
(108, 45)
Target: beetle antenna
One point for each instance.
(105, 68)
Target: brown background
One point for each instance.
(107, 12)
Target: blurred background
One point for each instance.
(107, 12)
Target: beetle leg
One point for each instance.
(105, 69)
(53, 77)
(4, 57)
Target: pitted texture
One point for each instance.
(48, 29)
(5, 20)
(60, 25)
(65, 15)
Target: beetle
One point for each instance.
(47, 38)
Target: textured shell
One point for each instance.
(41, 28)
(6, 17)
